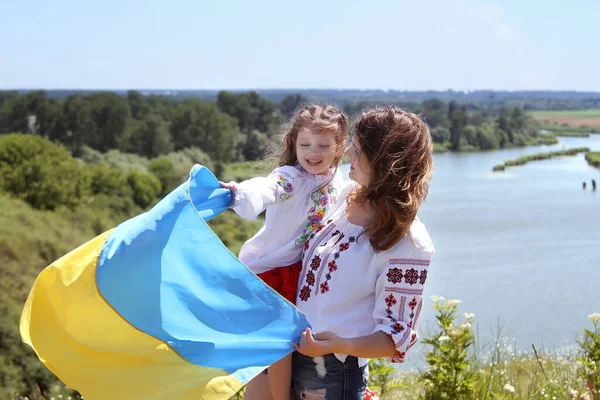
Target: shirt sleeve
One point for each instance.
(399, 295)
(254, 195)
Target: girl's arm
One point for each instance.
(253, 196)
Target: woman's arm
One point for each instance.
(375, 345)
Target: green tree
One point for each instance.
(251, 111)
(291, 103)
(435, 113)
(110, 114)
(471, 135)
(458, 119)
(200, 123)
(165, 171)
(254, 145)
(440, 134)
(137, 104)
(32, 112)
(76, 124)
(503, 123)
(487, 139)
(150, 138)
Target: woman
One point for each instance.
(364, 270)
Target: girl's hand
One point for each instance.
(320, 344)
(231, 186)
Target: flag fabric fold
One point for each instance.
(159, 308)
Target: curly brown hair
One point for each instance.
(317, 119)
(398, 147)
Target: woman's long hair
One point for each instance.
(399, 150)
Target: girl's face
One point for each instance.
(315, 151)
(360, 170)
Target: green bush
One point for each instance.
(40, 172)
(593, 158)
(102, 179)
(146, 188)
(590, 358)
(451, 374)
(164, 169)
(540, 156)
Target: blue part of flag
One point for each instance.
(171, 277)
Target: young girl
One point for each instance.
(296, 197)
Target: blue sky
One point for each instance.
(394, 44)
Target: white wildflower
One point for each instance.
(437, 299)
(443, 338)
(453, 302)
(469, 315)
(509, 387)
(594, 317)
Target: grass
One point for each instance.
(529, 377)
(567, 123)
(245, 170)
(593, 158)
(544, 139)
(539, 156)
(589, 113)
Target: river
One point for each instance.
(519, 248)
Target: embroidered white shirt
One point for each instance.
(295, 202)
(347, 288)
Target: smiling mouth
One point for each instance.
(313, 162)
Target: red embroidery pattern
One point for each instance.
(423, 277)
(308, 274)
(333, 264)
(402, 330)
(316, 262)
(310, 278)
(407, 291)
(390, 301)
(394, 275)
(409, 261)
(411, 276)
(305, 293)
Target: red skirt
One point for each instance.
(284, 280)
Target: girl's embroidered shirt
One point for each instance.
(296, 203)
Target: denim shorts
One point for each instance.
(328, 378)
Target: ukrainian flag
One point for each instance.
(158, 308)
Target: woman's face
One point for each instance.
(360, 170)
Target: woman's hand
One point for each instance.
(231, 186)
(320, 344)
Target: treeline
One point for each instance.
(477, 99)
(455, 128)
(235, 127)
